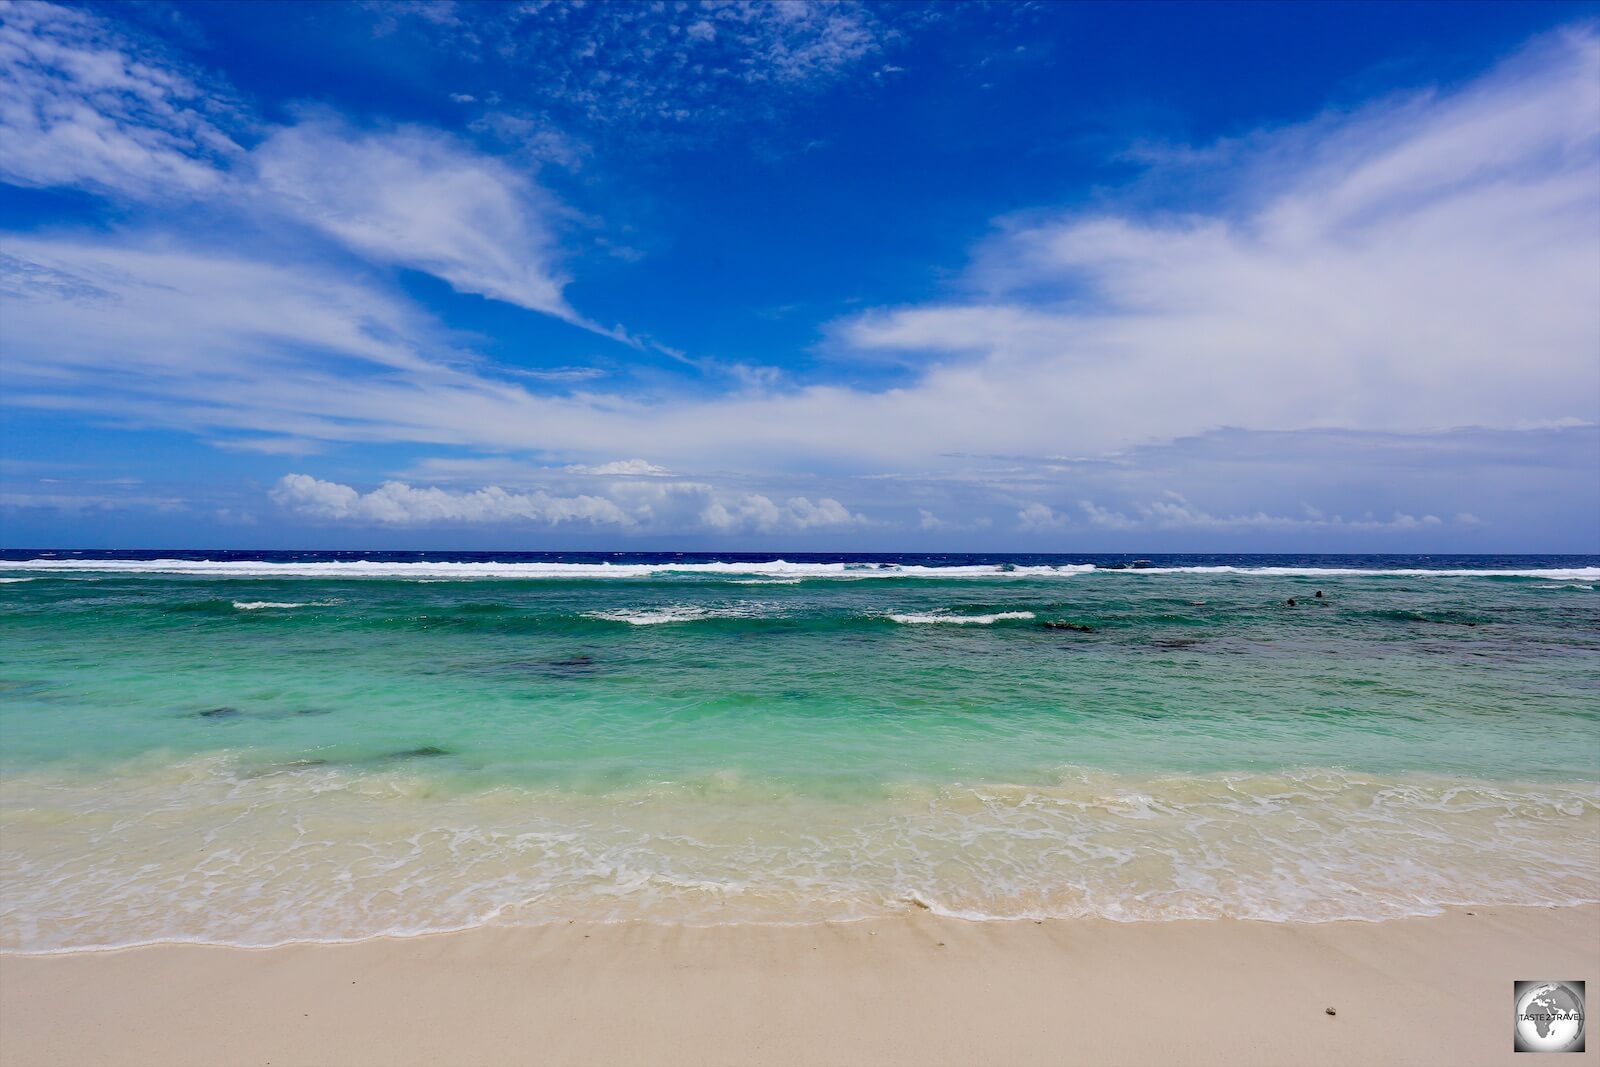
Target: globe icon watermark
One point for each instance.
(1549, 1016)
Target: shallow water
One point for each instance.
(323, 747)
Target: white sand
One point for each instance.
(919, 990)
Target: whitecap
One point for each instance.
(678, 613)
(1552, 573)
(649, 617)
(961, 620)
(776, 568)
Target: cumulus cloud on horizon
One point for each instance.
(1175, 512)
(648, 507)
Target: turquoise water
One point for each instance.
(256, 752)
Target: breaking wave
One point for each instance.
(776, 569)
(936, 617)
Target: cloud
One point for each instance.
(556, 374)
(87, 502)
(419, 199)
(758, 512)
(216, 342)
(270, 446)
(1176, 513)
(643, 507)
(1432, 265)
(1426, 262)
(636, 467)
(532, 137)
(395, 503)
(672, 65)
(1040, 518)
(81, 104)
(144, 319)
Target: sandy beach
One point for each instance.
(915, 990)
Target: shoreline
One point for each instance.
(914, 910)
(913, 989)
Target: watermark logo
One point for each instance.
(1549, 1016)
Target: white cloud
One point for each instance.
(87, 502)
(420, 199)
(758, 512)
(213, 343)
(270, 446)
(395, 503)
(146, 318)
(1040, 518)
(1174, 512)
(683, 505)
(556, 374)
(1430, 261)
(82, 105)
(637, 467)
(1105, 517)
(644, 507)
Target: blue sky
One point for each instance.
(1031, 277)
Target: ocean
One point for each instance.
(260, 748)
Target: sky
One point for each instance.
(1032, 277)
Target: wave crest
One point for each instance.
(939, 617)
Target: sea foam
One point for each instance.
(937, 617)
(678, 613)
(108, 863)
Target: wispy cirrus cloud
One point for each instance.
(633, 467)
(1378, 287)
(83, 104)
(78, 502)
(418, 198)
(1373, 270)
(1128, 331)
